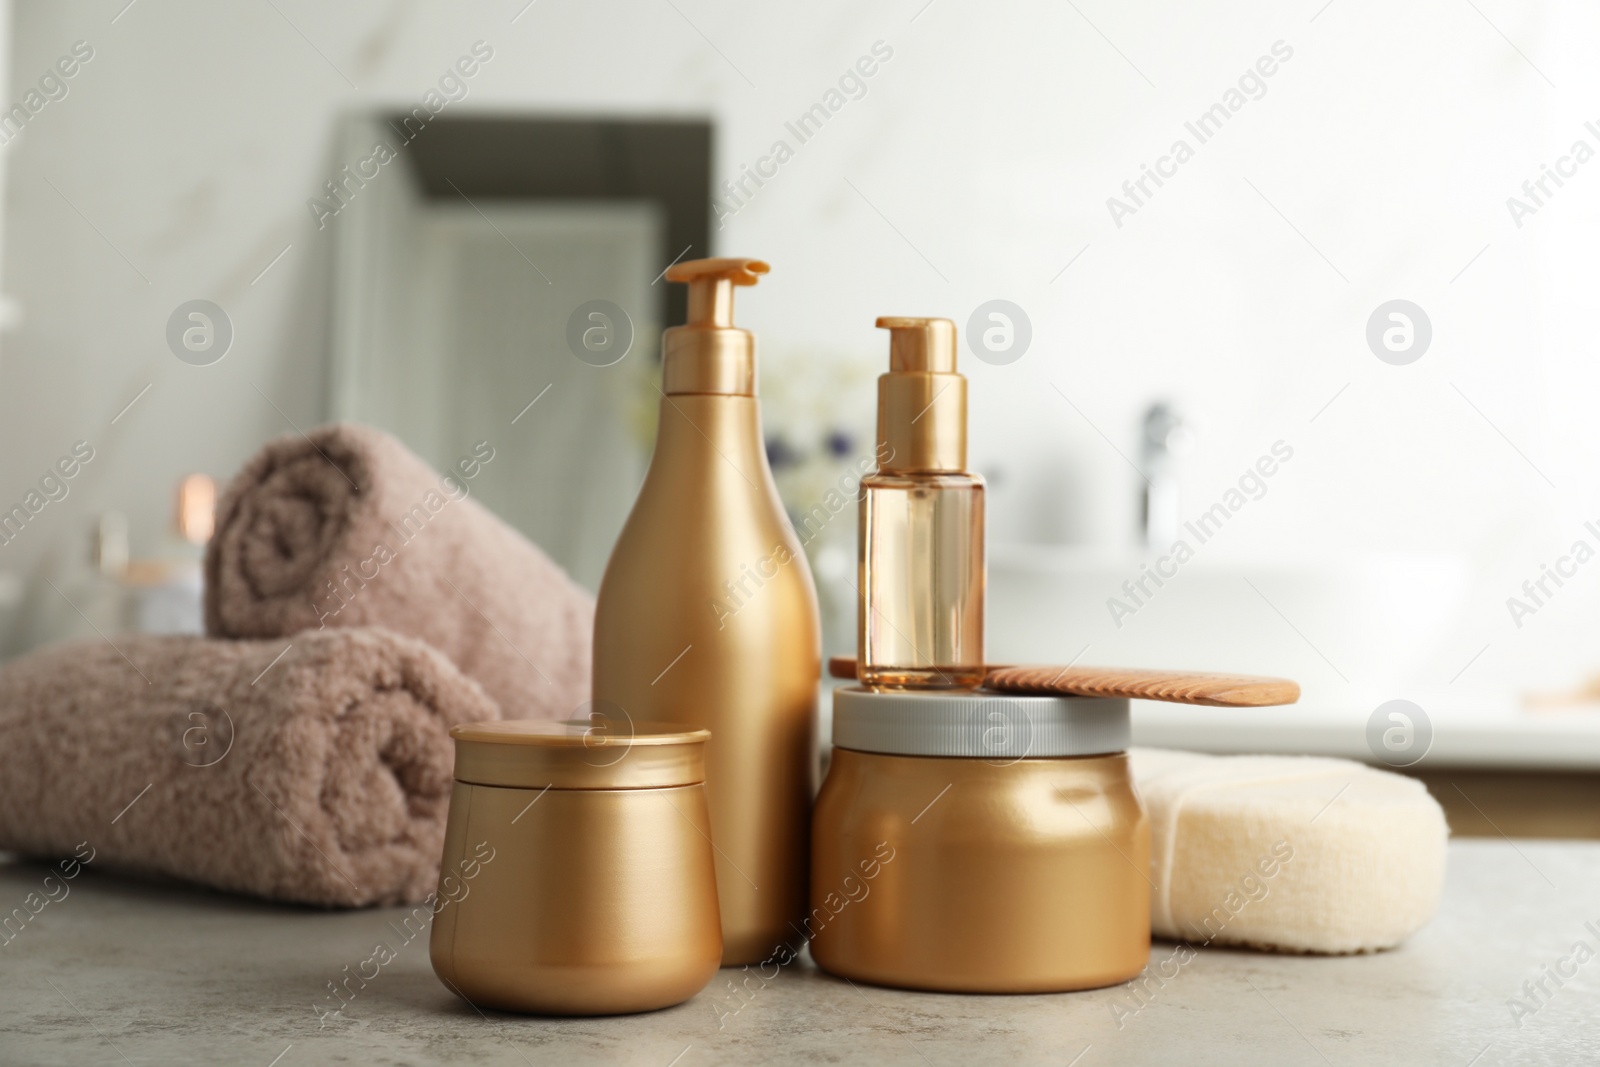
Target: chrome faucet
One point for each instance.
(1160, 509)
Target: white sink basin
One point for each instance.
(1353, 633)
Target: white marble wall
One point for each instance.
(977, 165)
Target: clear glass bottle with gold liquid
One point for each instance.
(922, 518)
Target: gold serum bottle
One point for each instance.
(921, 537)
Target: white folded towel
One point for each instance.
(1288, 853)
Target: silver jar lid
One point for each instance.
(975, 724)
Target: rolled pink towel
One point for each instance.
(346, 527)
(315, 770)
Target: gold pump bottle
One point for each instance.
(922, 518)
(707, 615)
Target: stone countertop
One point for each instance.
(122, 971)
(1566, 739)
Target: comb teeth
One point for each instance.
(1170, 687)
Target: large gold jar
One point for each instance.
(979, 843)
(577, 876)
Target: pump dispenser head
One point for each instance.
(922, 401)
(925, 346)
(708, 353)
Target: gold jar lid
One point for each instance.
(602, 753)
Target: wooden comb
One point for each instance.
(1172, 687)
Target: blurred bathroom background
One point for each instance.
(451, 220)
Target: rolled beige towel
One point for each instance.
(346, 527)
(315, 770)
(1288, 853)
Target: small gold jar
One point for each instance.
(577, 876)
(979, 843)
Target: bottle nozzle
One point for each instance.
(922, 401)
(926, 345)
(711, 283)
(708, 353)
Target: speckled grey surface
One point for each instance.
(123, 971)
